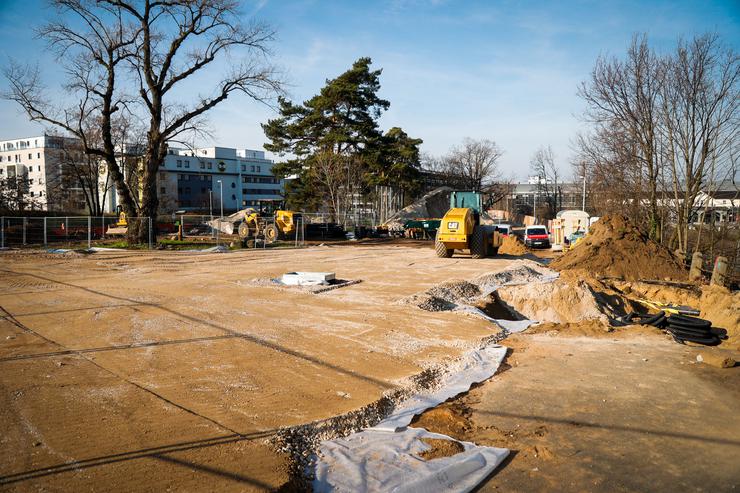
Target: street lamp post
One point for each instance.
(210, 207)
(583, 205)
(221, 218)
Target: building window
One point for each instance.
(30, 156)
(39, 168)
(244, 191)
(162, 190)
(179, 163)
(180, 177)
(205, 152)
(31, 194)
(252, 169)
(233, 185)
(38, 155)
(244, 167)
(30, 182)
(187, 164)
(258, 169)
(210, 165)
(233, 197)
(202, 165)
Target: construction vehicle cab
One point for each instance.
(461, 228)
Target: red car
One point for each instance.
(536, 236)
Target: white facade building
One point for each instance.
(193, 179)
(241, 176)
(39, 161)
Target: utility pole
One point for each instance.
(583, 206)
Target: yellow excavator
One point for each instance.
(461, 228)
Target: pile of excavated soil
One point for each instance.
(433, 204)
(614, 247)
(512, 246)
(561, 301)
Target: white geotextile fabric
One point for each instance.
(382, 461)
(512, 326)
(385, 458)
(474, 367)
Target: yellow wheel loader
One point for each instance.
(461, 228)
(121, 226)
(273, 223)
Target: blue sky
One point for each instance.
(506, 71)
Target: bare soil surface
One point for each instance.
(629, 412)
(147, 371)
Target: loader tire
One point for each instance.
(244, 231)
(441, 249)
(477, 243)
(271, 233)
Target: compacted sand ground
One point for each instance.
(150, 371)
(156, 370)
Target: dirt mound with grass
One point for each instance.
(512, 246)
(614, 247)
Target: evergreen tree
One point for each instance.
(341, 120)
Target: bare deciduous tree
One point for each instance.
(549, 188)
(475, 162)
(699, 121)
(162, 45)
(340, 176)
(624, 95)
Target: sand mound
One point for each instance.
(614, 247)
(433, 204)
(722, 307)
(560, 301)
(449, 295)
(512, 246)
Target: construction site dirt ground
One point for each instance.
(148, 371)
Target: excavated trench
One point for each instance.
(497, 309)
(523, 292)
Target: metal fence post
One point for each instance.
(102, 231)
(25, 222)
(150, 233)
(89, 232)
(66, 229)
(2, 232)
(45, 243)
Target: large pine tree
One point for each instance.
(341, 122)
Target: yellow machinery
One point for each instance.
(461, 229)
(274, 225)
(121, 226)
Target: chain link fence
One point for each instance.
(68, 231)
(180, 231)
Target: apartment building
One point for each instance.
(195, 179)
(35, 166)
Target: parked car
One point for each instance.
(504, 229)
(536, 236)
